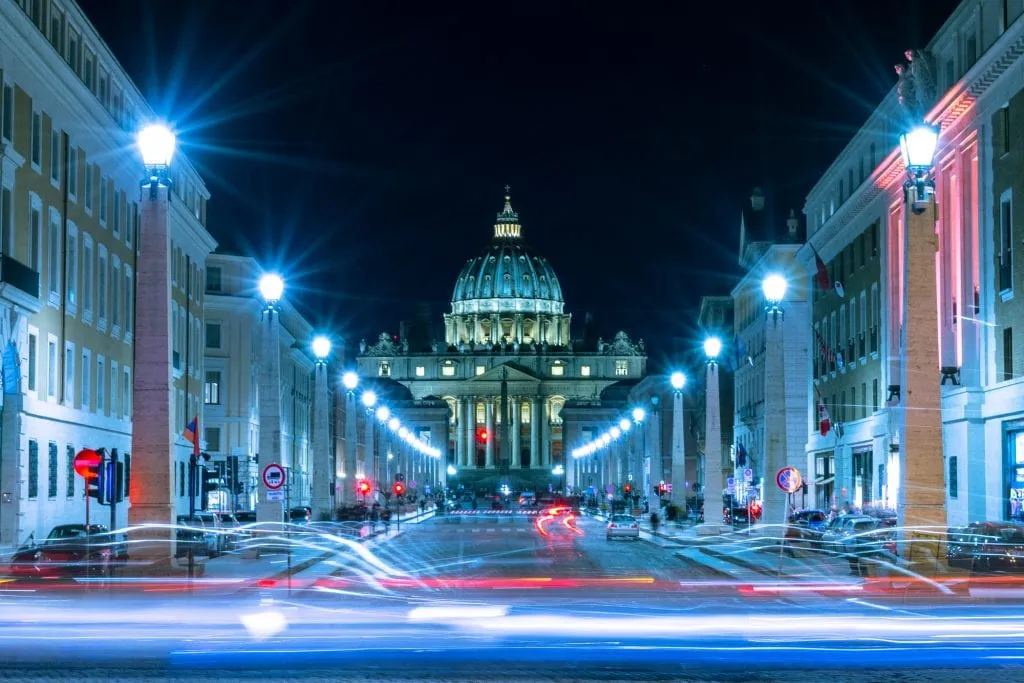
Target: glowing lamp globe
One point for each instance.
(774, 288)
(394, 424)
(350, 380)
(678, 380)
(639, 414)
(321, 347)
(614, 432)
(624, 425)
(712, 347)
(369, 399)
(918, 147)
(451, 470)
(271, 287)
(383, 413)
(403, 433)
(156, 145)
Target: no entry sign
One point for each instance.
(273, 476)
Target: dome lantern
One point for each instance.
(507, 226)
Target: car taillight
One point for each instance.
(611, 525)
(632, 526)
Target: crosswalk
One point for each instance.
(504, 530)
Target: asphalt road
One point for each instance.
(479, 599)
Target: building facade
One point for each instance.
(508, 358)
(231, 385)
(69, 228)
(972, 74)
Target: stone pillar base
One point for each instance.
(712, 529)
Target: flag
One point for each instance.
(741, 455)
(824, 281)
(191, 434)
(824, 423)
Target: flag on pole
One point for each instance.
(191, 434)
(824, 281)
(824, 423)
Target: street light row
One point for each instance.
(617, 430)
(384, 415)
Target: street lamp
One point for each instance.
(639, 414)
(350, 380)
(712, 484)
(321, 348)
(677, 474)
(678, 381)
(776, 443)
(271, 289)
(624, 425)
(774, 287)
(383, 413)
(156, 144)
(712, 348)
(369, 398)
(394, 423)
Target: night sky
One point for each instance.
(363, 148)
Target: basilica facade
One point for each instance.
(506, 367)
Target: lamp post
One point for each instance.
(774, 288)
(353, 469)
(678, 474)
(639, 415)
(152, 494)
(271, 288)
(369, 401)
(712, 488)
(323, 471)
(921, 496)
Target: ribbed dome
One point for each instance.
(507, 276)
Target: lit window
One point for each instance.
(480, 369)
(585, 371)
(51, 369)
(421, 371)
(621, 368)
(384, 369)
(211, 390)
(448, 369)
(557, 370)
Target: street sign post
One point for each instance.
(788, 479)
(275, 495)
(748, 475)
(273, 477)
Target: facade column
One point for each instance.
(515, 427)
(489, 445)
(536, 415)
(678, 474)
(557, 322)
(469, 425)
(517, 330)
(775, 500)
(10, 467)
(322, 479)
(460, 443)
(153, 461)
(545, 436)
(495, 328)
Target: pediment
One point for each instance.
(509, 372)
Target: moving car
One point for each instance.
(70, 550)
(623, 526)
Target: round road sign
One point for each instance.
(789, 479)
(273, 476)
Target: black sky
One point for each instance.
(362, 148)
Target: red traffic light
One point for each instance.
(398, 488)
(627, 488)
(363, 487)
(86, 459)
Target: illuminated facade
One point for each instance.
(855, 220)
(508, 358)
(69, 230)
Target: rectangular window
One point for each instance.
(101, 285)
(954, 486)
(55, 155)
(72, 272)
(874, 239)
(104, 189)
(104, 91)
(1007, 353)
(213, 283)
(73, 51)
(129, 301)
(874, 394)
(88, 188)
(116, 214)
(480, 369)
(86, 278)
(51, 368)
(101, 386)
(33, 360)
(37, 139)
(557, 370)
(421, 371)
(970, 51)
(7, 114)
(1004, 130)
(86, 395)
(51, 474)
(950, 73)
(33, 469)
(53, 259)
(585, 371)
(90, 70)
(212, 437)
(1006, 241)
(69, 470)
(213, 335)
(211, 389)
(69, 374)
(126, 392)
(115, 295)
(115, 390)
(56, 22)
(621, 368)
(447, 370)
(863, 399)
(73, 172)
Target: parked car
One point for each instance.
(71, 550)
(199, 533)
(1002, 550)
(300, 515)
(623, 526)
(805, 528)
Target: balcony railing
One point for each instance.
(17, 274)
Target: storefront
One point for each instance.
(1013, 469)
(862, 459)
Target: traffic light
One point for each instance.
(481, 436)
(363, 487)
(627, 488)
(96, 479)
(112, 482)
(209, 481)
(398, 488)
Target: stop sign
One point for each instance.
(85, 459)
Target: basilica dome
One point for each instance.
(508, 276)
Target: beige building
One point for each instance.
(69, 225)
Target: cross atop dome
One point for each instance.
(507, 226)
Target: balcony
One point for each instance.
(19, 284)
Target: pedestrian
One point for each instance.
(655, 521)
